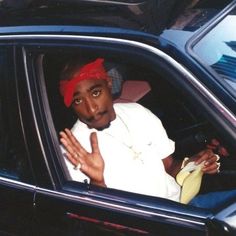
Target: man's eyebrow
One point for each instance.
(76, 94)
(94, 86)
(89, 89)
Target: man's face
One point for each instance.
(92, 102)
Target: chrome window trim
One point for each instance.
(17, 183)
(208, 27)
(36, 124)
(116, 206)
(89, 200)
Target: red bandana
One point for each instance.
(93, 70)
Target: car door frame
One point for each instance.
(17, 187)
(131, 210)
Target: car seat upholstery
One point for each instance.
(126, 90)
(133, 91)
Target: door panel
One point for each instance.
(65, 214)
(16, 207)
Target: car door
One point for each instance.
(71, 208)
(61, 206)
(17, 186)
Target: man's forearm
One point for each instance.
(172, 166)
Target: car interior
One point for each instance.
(184, 122)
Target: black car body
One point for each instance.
(195, 101)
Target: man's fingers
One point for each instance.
(211, 166)
(212, 169)
(64, 136)
(94, 142)
(66, 145)
(206, 155)
(210, 160)
(71, 159)
(73, 156)
(73, 142)
(72, 138)
(72, 151)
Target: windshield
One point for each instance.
(218, 50)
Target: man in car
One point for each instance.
(122, 146)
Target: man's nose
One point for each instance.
(91, 106)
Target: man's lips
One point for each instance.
(96, 117)
(98, 121)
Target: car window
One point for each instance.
(218, 50)
(184, 122)
(13, 155)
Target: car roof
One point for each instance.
(97, 13)
(144, 15)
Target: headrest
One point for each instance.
(133, 91)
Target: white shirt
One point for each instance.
(132, 148)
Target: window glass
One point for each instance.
(13, 156)
(218, 49)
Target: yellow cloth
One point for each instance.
(189, 178)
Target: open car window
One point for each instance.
(187, 124)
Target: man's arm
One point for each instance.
(172, 166)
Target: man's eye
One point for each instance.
(96, 93)
(77, 101)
